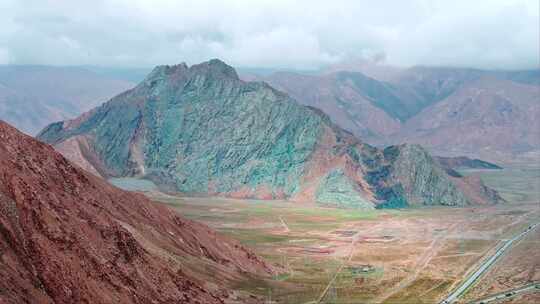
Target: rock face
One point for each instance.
(201, 129)
(67, 236)
(337, 190)
(421, 178)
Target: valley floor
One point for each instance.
(383, 256)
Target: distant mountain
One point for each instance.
(450, 111)
(463, 162)
(131, 75)
(67, 236)
(369, 108)
(483, 117)
(201, 129)
(34, 96)
(371, 68)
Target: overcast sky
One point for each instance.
(274, 34)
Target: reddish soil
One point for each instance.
(66, 236)
(476, 191)
(322, 163)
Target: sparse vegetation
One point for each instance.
(392, 241)
(318, 241)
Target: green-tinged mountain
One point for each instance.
(201, 129)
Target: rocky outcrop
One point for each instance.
(67, 236)
(201, 129)
(336, 189)
(422, 180)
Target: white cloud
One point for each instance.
(298, 34)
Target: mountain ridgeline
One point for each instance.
(201, 129)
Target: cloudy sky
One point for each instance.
(274, 34)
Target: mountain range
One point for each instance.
(450, 111)
(201, 129)
(67, 236)
(34, 96)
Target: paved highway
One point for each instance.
(485, 266)
(533, 287)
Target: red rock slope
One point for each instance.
(66, 236)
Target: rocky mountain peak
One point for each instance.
(216, 68)
(175, 77)
(161, 71)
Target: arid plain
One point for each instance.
(327, 255)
